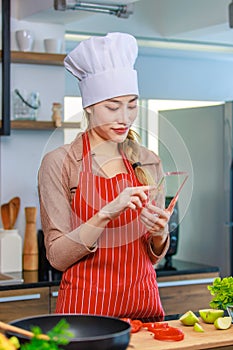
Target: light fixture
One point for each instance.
(122, 11)
(230, 12)
(186, 46)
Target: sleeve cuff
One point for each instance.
(154, 257)
(91, 249)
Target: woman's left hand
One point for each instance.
(155, 219)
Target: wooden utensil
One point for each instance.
(5, 215)
(7, 327)
(14, 206)
(30, 246)
(11, 215)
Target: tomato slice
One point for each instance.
(169, 334)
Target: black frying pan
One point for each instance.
(90, 332)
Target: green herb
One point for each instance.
(222, 291)
(59, 335)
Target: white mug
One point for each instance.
(52, 45)
(24, 39)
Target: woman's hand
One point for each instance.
(155, 219)
(131, 197)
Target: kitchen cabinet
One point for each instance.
(25, 302)
(181, 293)
(53, 298)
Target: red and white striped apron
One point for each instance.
(118, 279)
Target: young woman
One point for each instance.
(101, 224)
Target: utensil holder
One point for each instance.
(10, 251)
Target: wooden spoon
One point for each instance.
(7, 327)
(14, 206)
(11, 215)
(5, 214)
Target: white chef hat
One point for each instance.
(104, 67)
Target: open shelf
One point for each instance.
(41, 125)
(37, 58)
(40, 58)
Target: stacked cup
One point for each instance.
(52, 45)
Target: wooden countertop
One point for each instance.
(210, 339)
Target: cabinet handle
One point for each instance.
(20, 298)
(54, 294)
(185, 282)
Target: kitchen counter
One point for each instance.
(179, 267)
(29, 279)
(35, 279)
(210, 339)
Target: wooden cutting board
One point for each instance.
(211, 338)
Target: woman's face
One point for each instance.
(111, 119)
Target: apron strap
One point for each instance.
(128, 164)
(86, 163)
(87, 160)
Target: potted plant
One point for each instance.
(222, 292)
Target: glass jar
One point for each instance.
(25, 106)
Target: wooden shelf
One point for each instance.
(37, 58)
(41, 125)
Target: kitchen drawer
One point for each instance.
(19, 303)
(187, 292)
(53, 298)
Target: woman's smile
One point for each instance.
(120, 131)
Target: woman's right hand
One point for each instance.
(131, 197)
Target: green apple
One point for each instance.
(210, 315)
(198, 328)
(189, 318)
(223, 322)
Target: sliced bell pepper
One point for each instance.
(168, 334)
(155, 325)
(136, 325)
(161, 330)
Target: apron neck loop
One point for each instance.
(87, 160)
(127, 163)
(86, 163)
